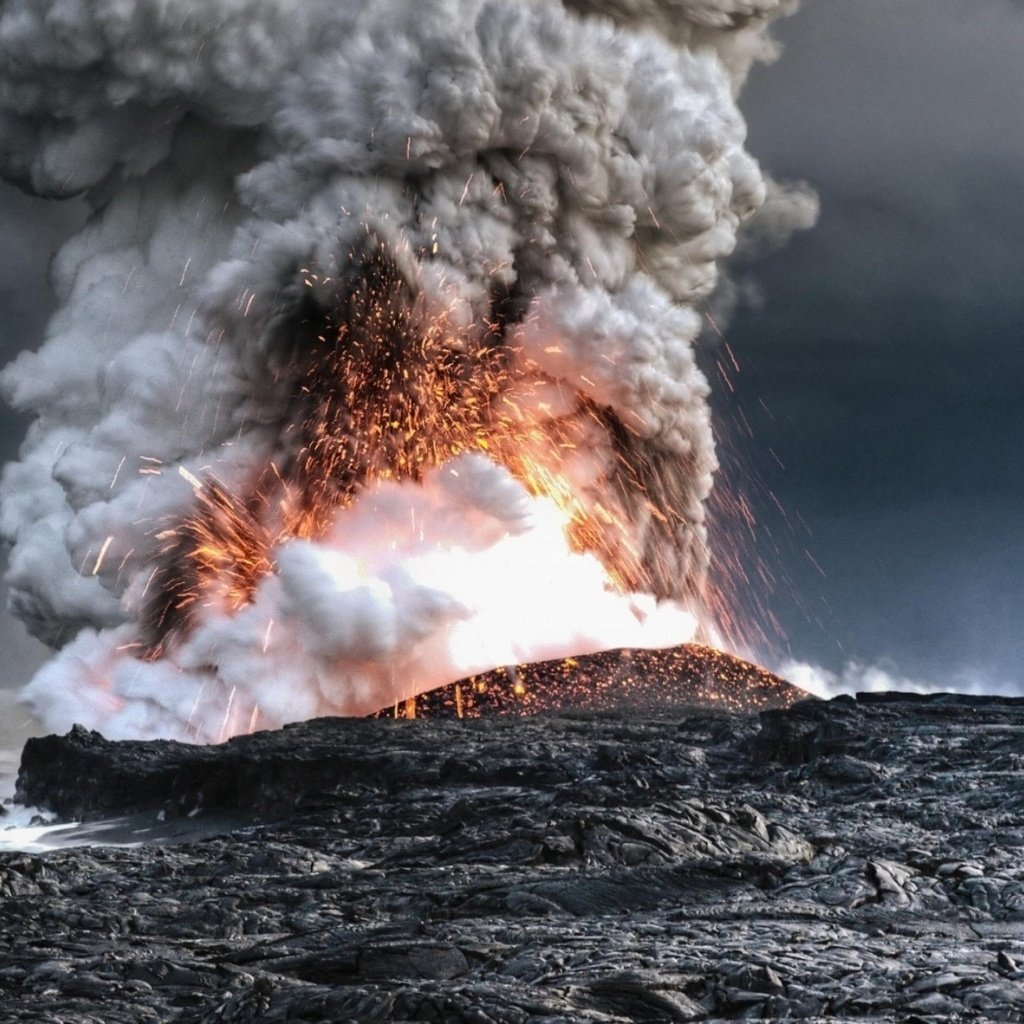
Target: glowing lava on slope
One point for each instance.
(691, 675)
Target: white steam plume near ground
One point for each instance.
(554, 182)
(856, 677)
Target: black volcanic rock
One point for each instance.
(856, 859)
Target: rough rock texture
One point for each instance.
(845, 860)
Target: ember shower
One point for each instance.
(374, 365)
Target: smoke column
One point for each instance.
(374, 364)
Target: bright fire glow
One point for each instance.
(436, 508)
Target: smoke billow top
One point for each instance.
(374, 365)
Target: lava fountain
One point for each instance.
(373, 368)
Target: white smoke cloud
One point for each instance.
(856, 677)
(236, 153)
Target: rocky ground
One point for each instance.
(844, 860)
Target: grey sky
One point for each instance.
(888, 349)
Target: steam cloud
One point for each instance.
(542, 192)
(857, 677)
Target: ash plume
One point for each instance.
(374, 365)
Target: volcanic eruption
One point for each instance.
(374, 366)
